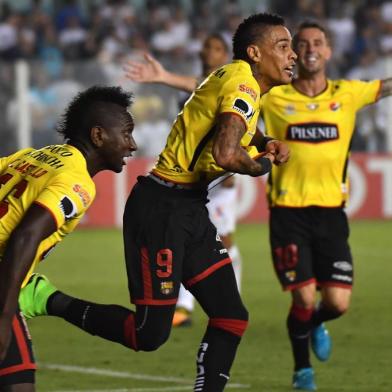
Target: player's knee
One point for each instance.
(234, 322)
(152, 341)
(305, 298)
(338, 307)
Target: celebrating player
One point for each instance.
(222, 196)
(308, 226)
(43, 195)
(168, 236)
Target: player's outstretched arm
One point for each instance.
(152, 71)
(386, 88)
(229, 154)
(19, 254)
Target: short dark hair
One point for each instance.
(311, 24)
(220, 38)
(96, 106)
(250, 30)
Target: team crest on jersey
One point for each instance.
(246, 89)
(312, 132)
(243, 107)
(83, 194)
(167, 287)
(68, 208)
(334, 106)
(289, 109)
(312, 105)
(291, 275)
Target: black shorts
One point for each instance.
(168, 239)
(19, 365)
(311, 245)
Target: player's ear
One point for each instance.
(254, 53)
(97, 136)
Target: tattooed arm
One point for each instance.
(227, 150)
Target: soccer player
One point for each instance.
(222, 195)
(168, 237)
(308, 226)
(43, 195)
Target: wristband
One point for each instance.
(264, 142)
(266, 165)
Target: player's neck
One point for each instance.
(311, 85)
(86, 151)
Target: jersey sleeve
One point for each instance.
(240, 96)
(364, 93)
(66, 198)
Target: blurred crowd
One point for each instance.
(71, 44)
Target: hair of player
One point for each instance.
(311, 24)
(96, 106)
(251, 30)
(220, 38)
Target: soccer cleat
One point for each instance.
(182, 318)
(321, 342)
(303, 379)
(34, 296)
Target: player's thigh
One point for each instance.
(18, 366)
(291, 247)
(156, 228)
(334, 263)
(336, 298)
(218, 295)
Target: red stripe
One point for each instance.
(26, 364)
(130, 332)
(47, 209)
(299, 285)
(172, 301)
(300, 313)
(147, 281)
(336, 284)
(234, 326)
(207, 272)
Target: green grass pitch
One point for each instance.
(89, 263)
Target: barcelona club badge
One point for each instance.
(167, 287)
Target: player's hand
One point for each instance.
(151, 71)
(5, 334)
(280, 151)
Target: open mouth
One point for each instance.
(290, 70)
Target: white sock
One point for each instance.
(185, 299)
(235, 255)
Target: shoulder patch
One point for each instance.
(83, 194)
(246, 89)
(243, 107)
(68, 208)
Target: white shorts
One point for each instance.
(222, 208)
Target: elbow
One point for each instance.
(224, 160)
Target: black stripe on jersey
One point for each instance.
(199, 149)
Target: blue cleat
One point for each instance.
(321, 343)
(304, 379)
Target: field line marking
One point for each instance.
(134, 376)
(112, 373)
